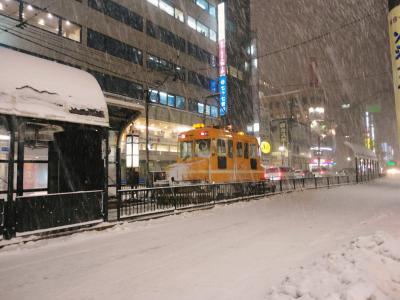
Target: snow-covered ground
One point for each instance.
(341, 243)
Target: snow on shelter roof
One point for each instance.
(360, 151)
(39, 88)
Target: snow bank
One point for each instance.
(366, 269)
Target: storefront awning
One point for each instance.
(360, 151)
(43, 89)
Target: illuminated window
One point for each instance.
(71, 31)
(171, 100)
(167, 8)
(203, 4)
(163, 98)
(201, 28)
(200, 108)
(43, 20)
(179, 15)
(10, 8)
(213, 35)
(192, 22)
(154, 2)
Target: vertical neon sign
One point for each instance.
(222, 84)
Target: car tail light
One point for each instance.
(279, 174)
(183, 136)
(266, 176)
(204, 133)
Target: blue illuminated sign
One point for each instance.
(222, 95)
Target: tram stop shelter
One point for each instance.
(53, 140)
(366, 161)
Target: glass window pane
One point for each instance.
(180, 102)
(213, 35)
(166, 7)
(154, 2)
(10, 8)
(239, 149)
(35, 175)
(45, 21)
(191, 22)
(202, 148)
(246, 150)
(221, 148)
(212, 10)
(200, 108)
(208, 110)
(203, 4)
(154, 96)
(163, 98)
(214, 111)
(71, 31)
(171, 100)
(202, 29)
(179, 15)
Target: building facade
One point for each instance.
(166, 47)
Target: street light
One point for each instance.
(282, 149)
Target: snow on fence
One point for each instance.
(134, 203)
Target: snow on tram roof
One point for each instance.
(39, 88)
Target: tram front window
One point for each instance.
(202, 148)
(185, 150)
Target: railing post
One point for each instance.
(338, 180)
(119, 204)
(315, 182)
(348, 179)
(280, 185)
(304, 183)
(294, 183)
(327, 180)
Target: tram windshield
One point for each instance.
(202, 148)
(186, 149)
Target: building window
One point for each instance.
(42, 19)
(205, 5)
(71, 31)
(101, 42)
(201, 54)
(118, 85)
(118, 12)
(213, 35)
(154, 96)
(165, 66)
(191, 22)
(179, 15)
(199, 80)
(214, 111)
(167, 7)
(165, 36)
(163, 98)
(203, 29)
(10, 8)
(171, 100)
(180, 102)
(200, 108)
(212, 11)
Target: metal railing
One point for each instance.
(41, 212)
(137, 202)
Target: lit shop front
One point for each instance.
(163, 150)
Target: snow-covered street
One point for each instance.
(237, 251)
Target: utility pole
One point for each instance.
(147, 100)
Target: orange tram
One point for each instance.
(215, 155)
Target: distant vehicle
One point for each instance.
(278, 173)
(347, 172)
(393, 171)
(298, 174)
(320, 172)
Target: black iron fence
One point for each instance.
(136, 202)
(40, 212)
(1, 214)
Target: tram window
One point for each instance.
(202, 148)
(246, 150)
(230, 148)
(221, 148)
(239, 149)
(253, 151)
(186, 149)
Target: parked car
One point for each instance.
(278, 173)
